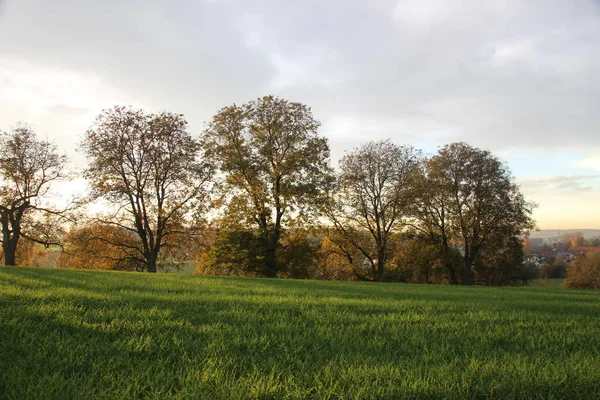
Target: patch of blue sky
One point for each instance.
(547, 165)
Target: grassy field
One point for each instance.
(549, 283)
(85, 335)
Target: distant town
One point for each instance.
(551, 250)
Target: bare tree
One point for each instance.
(147, 166)
(273, 162)
(373, 195)
(28, 167)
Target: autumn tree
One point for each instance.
(433, 218)
(235, 250)
(584, 272)
(573, 239)
(148, 167)
(101, 246)
(28, 168)
(274, 165)
(299, 254)
(502, 263)
(34, 254)
(467, 199)
(338, 260)
(373, 195)
(418, 261)
(109, 247)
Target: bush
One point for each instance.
(501, 263)
(584, 272)
(298, 255)
(338, 260)
(234, 252)
(556, 270)
(417, 261)
(100, 246)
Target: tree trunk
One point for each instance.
(467, 278)
(9, 254)
(380, 264)
(446, 257)
(151, 263)
(271, 262)
(452, 274)
(9, 242)
(271, 250)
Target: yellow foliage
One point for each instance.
(100, 246)
(584, 272)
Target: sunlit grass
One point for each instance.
(84, 334)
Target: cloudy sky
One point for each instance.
(520, 78)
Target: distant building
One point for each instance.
(366, 264)
(584, 249)
(567, 256)
(536, 260)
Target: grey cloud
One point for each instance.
(496, 74)
(571, 184)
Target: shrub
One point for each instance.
(233, 252)
(502, 263)
(584, 272)
(337, 260)
(298, 255)
(100, 246)
(417, 261)
(556, 270)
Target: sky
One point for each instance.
(519, 78)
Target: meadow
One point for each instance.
(67, 334)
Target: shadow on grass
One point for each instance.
(364, 296)
(439, 340)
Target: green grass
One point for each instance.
(85, 335)
(549, 283)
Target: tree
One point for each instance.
(34, 254)
(584, 272)
(337, 260)
(431, 212)
(572, 239)
(299, 254)
(466, 198)
(101, 246)
(502, 263)
(373, 194)
(418, 261)
(148, 167)
(555, 268)
(526, 242)
(275, 165)
(28, 167)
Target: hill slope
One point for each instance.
(85, 334)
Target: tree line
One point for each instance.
(255, 194)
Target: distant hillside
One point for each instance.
(546, 233)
